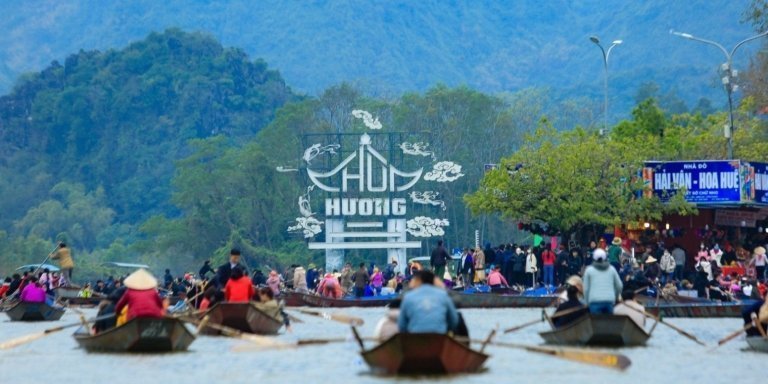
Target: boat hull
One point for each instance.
(462, 300)
(598, 330)
(758, 343)
(139, 335)
(244, 317)
(34, 312)
(423, 354)
(697, 309)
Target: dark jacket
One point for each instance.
(439, 257)
(361, 278)
(224, 272)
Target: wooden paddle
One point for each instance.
(338, 317)
(733, 335)
(544, 317)
(34, 336)
(262, 341)
(603, 359)
(658, 319)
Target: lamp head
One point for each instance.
(594, 39)
(617, 42)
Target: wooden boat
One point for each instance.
(758, 343)
(139, 335)
(462, 300)
(494, 300)
(423, 354)
(296, 299)
(244, 317)
(601, 330)
(698, 309)
(34, 312)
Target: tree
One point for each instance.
(569, 180)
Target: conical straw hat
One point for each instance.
(140, 280)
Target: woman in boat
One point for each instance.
(208, 297)
(330, 287)
(496, 280)
(239, 288)
(141, 296)
(273, 281)
(572, 309)
(270, 306)
(387, 326)
(33, 292)
(377, 281)
(107, 307)
(300, 280)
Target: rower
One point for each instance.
(572, 309)
(630, 307)
(426, 308)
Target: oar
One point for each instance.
(358, 338)
(231, 332)
(545, 317)
(338, 317)
(34, 336)
(732, 335)
(658, 319)
(603, 359)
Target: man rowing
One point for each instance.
(427, 308)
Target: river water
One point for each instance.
(668, 358)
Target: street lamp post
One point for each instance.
(606, 54)
(728, 79)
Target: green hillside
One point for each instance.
(391, 47)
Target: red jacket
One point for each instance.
(240, 290)
(144, 303)
(548, 257)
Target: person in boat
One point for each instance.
(387, 326)
(107, 307)
(530, 268)
(273, 282)
(44, 279)
(602, 284)
(225, 271)
(141, 296)
(300, 279)
(205, 269)
(239, 288)
(330, 287)
(572, 308)
(753, 312)
(312, 277)
(427, 308)
(208, 297)
(33, 292)
(496, 280)
(652, 270)
(377, 281)
(5, 287)
(66, 262)
(346, 278)
(181, 305)
(629, 307)
(15, 284)
(86, 291)
(267, 304)
(361, 279)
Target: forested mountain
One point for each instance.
(391, 47)
(111, 124)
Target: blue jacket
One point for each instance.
(427, 309)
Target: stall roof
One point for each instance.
(50, 267)
(124, 265)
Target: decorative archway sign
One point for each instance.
(367, 195)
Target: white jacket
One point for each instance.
(667, 263)
(530, 263)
